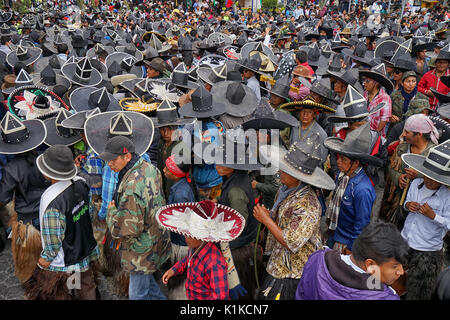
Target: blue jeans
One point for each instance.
(144, 287)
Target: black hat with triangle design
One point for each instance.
(167, 115)
(81, 73)
(131, 50)
(281, 87)
(180, 77)
(119, 63)
(77, 120)
(158, 45)
(99, 128)
(213, 75)
(378, 73)
(57, 134)
(354, 106)
(20, 136)
(26, 55)
(22, 79)
(49, 78)
(88, 98)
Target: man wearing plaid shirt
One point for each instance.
(375, 94)
(206, 271)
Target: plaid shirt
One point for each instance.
(109, 184)
(53, 229)
(93, 166)
(384, 114)
(206, 274)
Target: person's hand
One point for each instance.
(167, 275)
(394, 119)
(261, 213)
(112, 204)
(411, 173)
(44, 263)
(403, 181)
(430, 93)
(254, 183)
(427, 211)
(79, 159)
(412, 206)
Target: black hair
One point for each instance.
(301, 56)
(62, 48)
(380, 241)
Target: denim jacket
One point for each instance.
(355, 210)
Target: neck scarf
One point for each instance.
(408, 97)
(333, 209)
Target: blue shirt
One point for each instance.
(109, 184)
(180, 192)
(421, 232)
(355, 210)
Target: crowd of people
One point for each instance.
(190, 151)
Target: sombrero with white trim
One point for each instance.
(436, 165)
(204, 220)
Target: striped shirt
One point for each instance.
(93, 166)
(52, 232)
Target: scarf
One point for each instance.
(234, 284)
(408, 97)
(333, 209)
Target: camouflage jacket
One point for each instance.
(419, 101)
(144, 245)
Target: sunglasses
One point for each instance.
(398, 71)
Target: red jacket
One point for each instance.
(429, 80)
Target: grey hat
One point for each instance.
(302, 161)
(239, 99)
(57, 163)
(357, 145)
(436, 165)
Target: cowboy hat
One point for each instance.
(205, 221)
(57, 163)
(57, 134)
(161, 90)
(88, 98)
(167, 115)
(77, 120)
(354, 106)
(49, 78)
(357, 145)
(378, 73)
(239, 99)
(20, 136)
(307, 103)
(118, 63)
(203, 105)
(301, 161)
(26, 55)
(134, 125)
(81, 73)
(435, 165)
(266, 117)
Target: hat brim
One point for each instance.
(307, 104)
(275, 155)
(75, 121)
(216, 110)
(60, 80)
(378, 77)
(158, 90)
(416, 162)
(107, 156)
(442, 98)
(190, 84)
(54, 138)
(339, 119)
(43, 168)
(164, 215)
(37, 134)
(96, 131)
(79, 100)
(35, 53)
(279, 120)
(247, 106)
(444, 111)
(68, 71)
(336, 145)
